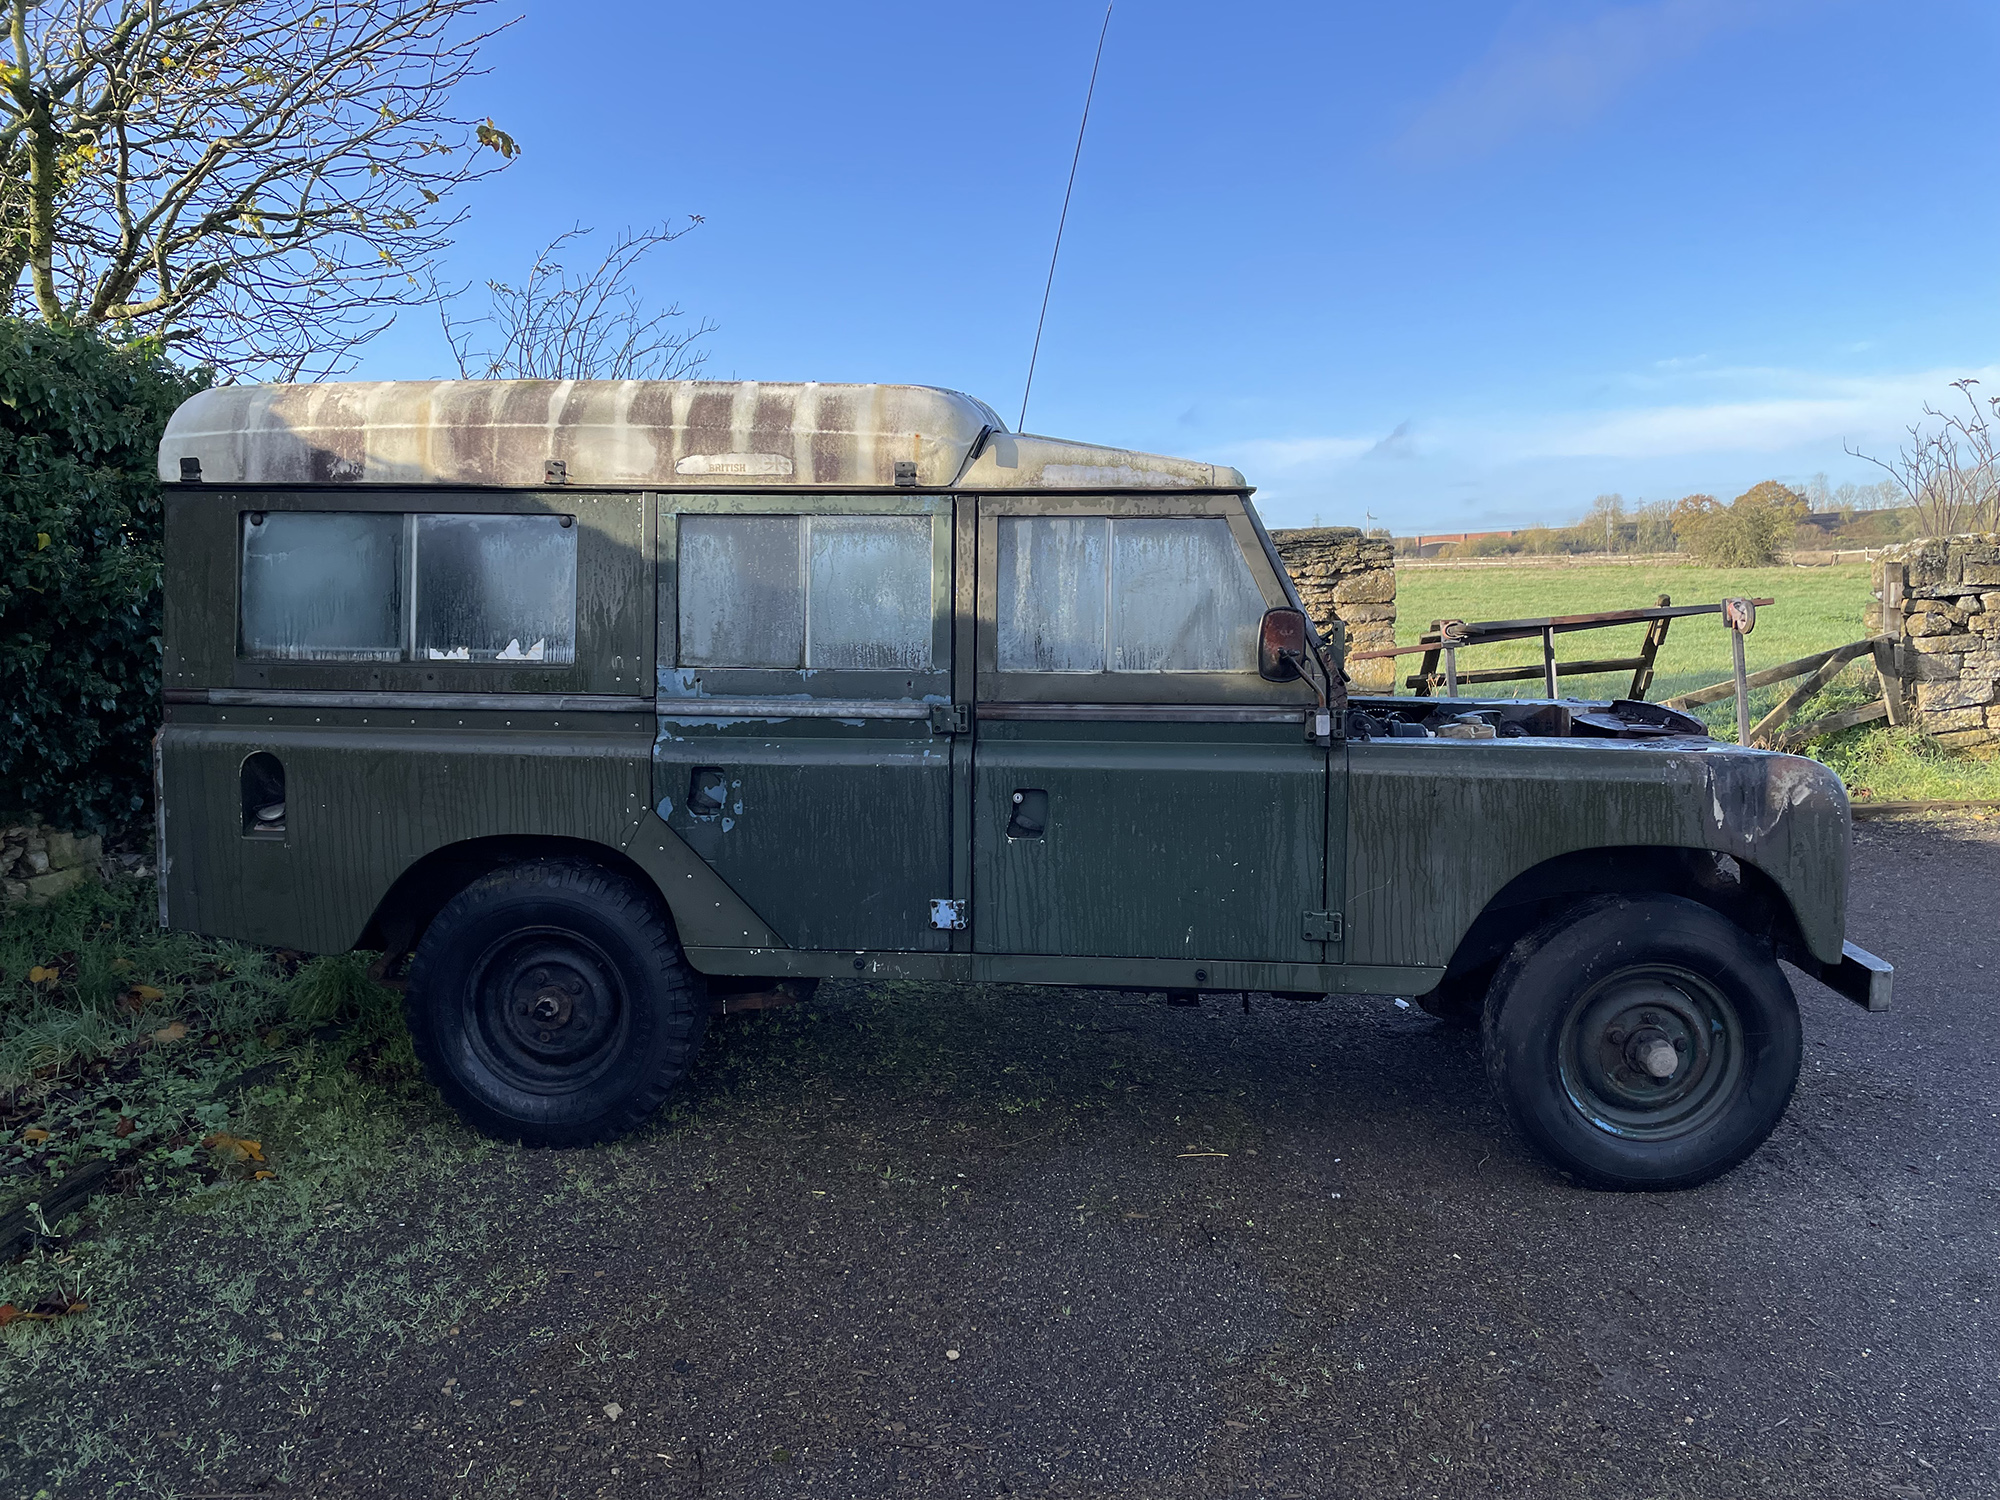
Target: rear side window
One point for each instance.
(496, 588)
(352, 586)
(322, 586)
(826, 593)
(1091, 594)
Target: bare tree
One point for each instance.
(589, 325)
(1950, 472)
(258, 182)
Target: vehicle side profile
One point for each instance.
(591, 701)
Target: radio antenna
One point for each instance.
(1082, 125)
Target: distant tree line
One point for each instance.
(1755, 529)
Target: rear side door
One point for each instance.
(1139, 791)
(805, 644)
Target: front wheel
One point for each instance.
(551, 1004)
(1642, 1042)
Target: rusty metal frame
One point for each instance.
(1450, 637)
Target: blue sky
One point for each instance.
(1433, 266)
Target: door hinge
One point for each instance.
(947, 915)
(1323, 926)
(951, 718)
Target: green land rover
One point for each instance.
(593, 702)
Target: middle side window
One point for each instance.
(813, 592)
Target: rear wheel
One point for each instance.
(550, 1004)
(1642, 1042)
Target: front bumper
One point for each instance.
(1860, 976)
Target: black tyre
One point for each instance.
(551, 1004)
(1642, 1042)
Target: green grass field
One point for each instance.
(1815, 608)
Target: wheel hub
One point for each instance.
(1651, 1052)
(549, 1009)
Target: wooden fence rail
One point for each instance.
(1818, 670)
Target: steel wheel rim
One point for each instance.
(546, 1010)
(1610, 1059)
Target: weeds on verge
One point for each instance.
(274, 1152)
(121, 1042)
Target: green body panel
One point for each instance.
(1437, 827)
(1163, 840)
(837, 832)
(367, 795)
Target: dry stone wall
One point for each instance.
(1350, 578)
(1940, 600)
(39, 863)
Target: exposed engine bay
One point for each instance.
(1511, 719)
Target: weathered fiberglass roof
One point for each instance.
(660, 434)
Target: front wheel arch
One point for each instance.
(1732, 888)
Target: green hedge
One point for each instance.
(80, 423)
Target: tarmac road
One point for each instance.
(1008, 1241)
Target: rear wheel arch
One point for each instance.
(414, 900)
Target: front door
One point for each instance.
(804, 646)
(1139, 791)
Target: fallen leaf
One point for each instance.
(260, 1176)
(120, 965)
(34, 1135)
(614, 1411)
(43, 974)
(41, 541)
(951, 1354)
(146, 994)
(8, 1313)
(172, 1033)
(237, 1150)
(125, 1126)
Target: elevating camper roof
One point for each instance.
(659, 434)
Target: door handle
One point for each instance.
(1030, 816)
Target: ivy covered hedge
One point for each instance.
(80, 423)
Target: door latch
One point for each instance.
(951, 718)
(1322, 927)
(947, 915)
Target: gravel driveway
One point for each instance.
(996, 1241)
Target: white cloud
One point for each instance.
(1827, 411)
(1540, 72)
(1282, 455)
(1716, 429)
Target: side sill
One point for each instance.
(1085, 973)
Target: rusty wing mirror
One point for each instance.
(1281, 644)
